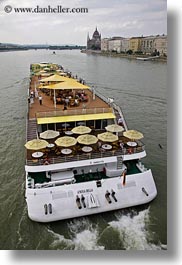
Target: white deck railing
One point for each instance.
(92, 155)
(69, 112)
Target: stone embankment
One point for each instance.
(123, 55)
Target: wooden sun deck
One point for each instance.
(97, 105)
(55, 156)
(52, 158)
(48, 104)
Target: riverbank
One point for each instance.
(123, 55)
(12, 49)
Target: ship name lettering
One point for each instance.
(84, 191)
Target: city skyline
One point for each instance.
(124, 18)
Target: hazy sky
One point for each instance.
(124, 18)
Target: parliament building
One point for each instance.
(95, 42)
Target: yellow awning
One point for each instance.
(68, 84)
(85, 117)
(54, 78)
(64, 83)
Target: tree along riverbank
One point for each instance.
(124, 55)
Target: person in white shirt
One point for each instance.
(40, 100)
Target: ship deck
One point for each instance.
(93, 106)
(40, 177)
(48, 101)
(55, 155)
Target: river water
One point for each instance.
(139, 88)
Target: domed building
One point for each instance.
(95, 42)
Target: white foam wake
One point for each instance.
(133, 231)
(82, 236)
(60, 242)
(87, 240)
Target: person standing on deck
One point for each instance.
(31, 100)
(65, 107)
(120, 122)
(40, 100)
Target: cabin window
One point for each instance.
(72, 124)
(44, 127)
(39, 128)
(58, 126)
(90, 123)
(51, 126)
(98, 124)
(103, 124)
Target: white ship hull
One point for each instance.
(59, 202)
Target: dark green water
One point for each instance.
(140, 89)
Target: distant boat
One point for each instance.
(147, 58)
(54, 52)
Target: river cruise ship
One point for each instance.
(81, 158)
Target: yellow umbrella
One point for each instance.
(61, 73)
(107, 137)
(36, 144)
(87, 139)
(53, 78)
(134, 135)
(44, 74)
(81, 130)
(66, 141)
(42, 65)
(49, 134)
(114, 128)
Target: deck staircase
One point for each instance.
(119, 162)
(31, 130)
